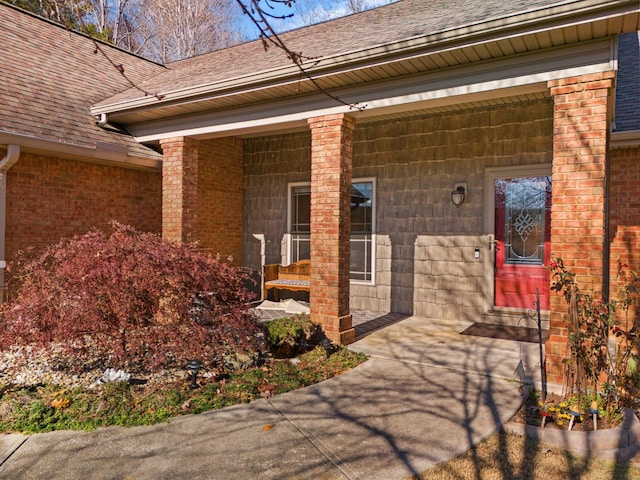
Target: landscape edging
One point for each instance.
(620, 443)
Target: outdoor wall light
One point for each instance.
(194, 367)
(459, 193)
(327, 345)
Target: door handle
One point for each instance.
(492, 242)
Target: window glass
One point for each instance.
(361, 244)
(525, 203)
(301, 209)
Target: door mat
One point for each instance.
(505, 332)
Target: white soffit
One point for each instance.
(517, 75)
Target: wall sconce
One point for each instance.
(459, 193)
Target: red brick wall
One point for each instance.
(331, 158)
(624, 217)
(50, 198)
(580, 130)
(221, 197)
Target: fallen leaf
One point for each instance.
(60, 403)
(266, 428)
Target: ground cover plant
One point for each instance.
(44, 408)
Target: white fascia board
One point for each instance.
(109, 154)
(565, 14)
(630, 138)
(499, 78)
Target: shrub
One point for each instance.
(595, 370)
(291, 335)
(130, 300)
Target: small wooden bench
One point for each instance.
(296, 277)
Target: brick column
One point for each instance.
(578, 214)
(179, 189)
(331, 150)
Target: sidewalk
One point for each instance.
(426, 395)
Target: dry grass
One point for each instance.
(507, 456)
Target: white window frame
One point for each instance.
(374, 203)
(289, 235)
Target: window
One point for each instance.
(362, 227)
(300, 224)
(526, 203)
(361, 231)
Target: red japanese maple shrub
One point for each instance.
(131, 300)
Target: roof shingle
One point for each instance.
(394, 22)
(50, 76)
(628, 83)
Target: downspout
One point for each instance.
(13, 152)
(260, 236)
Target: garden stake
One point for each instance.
(573, 417)
(544, 416)
(594, 412)
(543, 366)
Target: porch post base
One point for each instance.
(337, 329)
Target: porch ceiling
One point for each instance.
(438, 71)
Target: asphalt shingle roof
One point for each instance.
(50, 76)
(628, 83)
(398, 21)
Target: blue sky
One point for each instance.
(309, 11)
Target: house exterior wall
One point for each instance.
(220, 197)
(49, 198)
(425, 262)
(202, 194)
(624, 218)
(270, 165)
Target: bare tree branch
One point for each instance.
(118, 66)
(255, 10)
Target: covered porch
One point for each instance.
(529, 96)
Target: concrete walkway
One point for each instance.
(426, 395)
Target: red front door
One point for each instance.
(522, 214)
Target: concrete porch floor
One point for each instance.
(426, 394)
(445, 339)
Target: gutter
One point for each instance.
(546, 18)
(103, 153)
(630, 138)
(13, 153)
